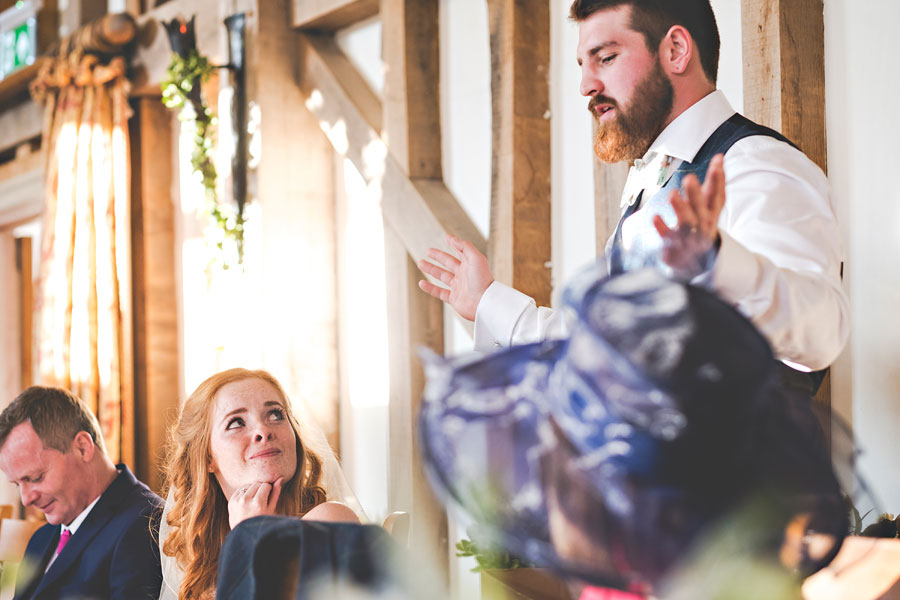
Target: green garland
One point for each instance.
(181, 90)
(488, 556)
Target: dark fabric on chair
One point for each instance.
(284, 557)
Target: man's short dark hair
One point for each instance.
(55, 414)
(654, 18)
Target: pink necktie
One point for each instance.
(63, 540)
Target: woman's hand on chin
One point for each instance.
(257, 498)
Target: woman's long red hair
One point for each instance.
(198, 521)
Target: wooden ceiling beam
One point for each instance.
(330, 15)
(19, 124)
(22, 187)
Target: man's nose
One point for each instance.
(590, 84)
(28, 494)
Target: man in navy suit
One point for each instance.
(100, 540)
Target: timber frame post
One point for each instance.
(784, 70)
(784, 83)
(520, 245)
(154, 361)
(411, 129)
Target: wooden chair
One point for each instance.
(397, 525)
(14, 536)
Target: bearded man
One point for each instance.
(765, 237)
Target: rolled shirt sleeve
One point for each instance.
(505, 317)
(780, 257)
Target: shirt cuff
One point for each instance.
(496, 316)
(735, 272)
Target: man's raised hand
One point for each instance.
(466, 275)
(688, 248)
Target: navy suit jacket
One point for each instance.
(113, 554)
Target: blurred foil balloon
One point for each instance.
(608, 455)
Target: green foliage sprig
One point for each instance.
(488, 556)
(181, 90)
(885, 526)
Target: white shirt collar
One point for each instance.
(77, 521)
(684, 136)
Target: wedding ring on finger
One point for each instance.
(242, 491)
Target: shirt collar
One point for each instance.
(77, 521)
(684, 136)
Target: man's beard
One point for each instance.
(630, 132)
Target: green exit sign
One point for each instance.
(18, 37)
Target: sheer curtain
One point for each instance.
(83, 289)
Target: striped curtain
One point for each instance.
(83, 290)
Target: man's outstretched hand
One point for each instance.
(467, 276)
(691, 246)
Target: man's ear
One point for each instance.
(676, 50)
(83, 445)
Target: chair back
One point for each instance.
(14, 536)
(397, 525)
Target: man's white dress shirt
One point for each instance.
(780, 258)
(73, 527)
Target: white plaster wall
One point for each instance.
(862, 96)
(731, 79)
(466, 106)
(361, 42)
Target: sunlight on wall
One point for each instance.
(364, 342)
(374, 158)
(224, 140)
(337, 134)
(220, 317)
(365, 299)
